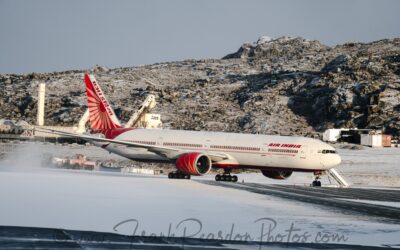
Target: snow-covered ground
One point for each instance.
(99, 202)
(371, 166)
(126, 204)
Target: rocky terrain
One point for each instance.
(288, 86)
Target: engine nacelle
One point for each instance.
(277, 174)
(194, 164)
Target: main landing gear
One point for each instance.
(177, 175)
(316, 182)
(226, 176)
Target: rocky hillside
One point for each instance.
(282, 86)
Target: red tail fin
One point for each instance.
(102, 116)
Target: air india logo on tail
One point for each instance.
(101, 114)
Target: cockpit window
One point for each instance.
(327, 151)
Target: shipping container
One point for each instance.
(386, 140)
(371, 140)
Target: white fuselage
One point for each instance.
(244, 150)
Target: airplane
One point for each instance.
(195, 153)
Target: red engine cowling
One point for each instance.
(193, 164)
(277, 174)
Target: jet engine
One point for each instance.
(277, 174)
(193, 164)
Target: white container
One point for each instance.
(134, 170)
(152, 121)
(371, 140)
(331, 135)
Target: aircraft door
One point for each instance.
(303, 152)
(207, 144)
(160, 141)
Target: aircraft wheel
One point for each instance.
(218, 177)
(228, 178)
(234, 178)
(171, 175)
(316, 184)
(187, 177)
(223, 178)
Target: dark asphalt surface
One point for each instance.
(13, 238)
(330, 198)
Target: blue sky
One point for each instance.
(57, 35)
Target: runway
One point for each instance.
(338, 199)
(52, 238)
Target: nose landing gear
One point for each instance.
(317, 182)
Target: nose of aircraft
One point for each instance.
(336, 160)
(331, 160)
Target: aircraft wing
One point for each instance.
(171, 153)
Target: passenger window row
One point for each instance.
(235, 148)
(176, 144)
(291, 151)
(145, 142)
